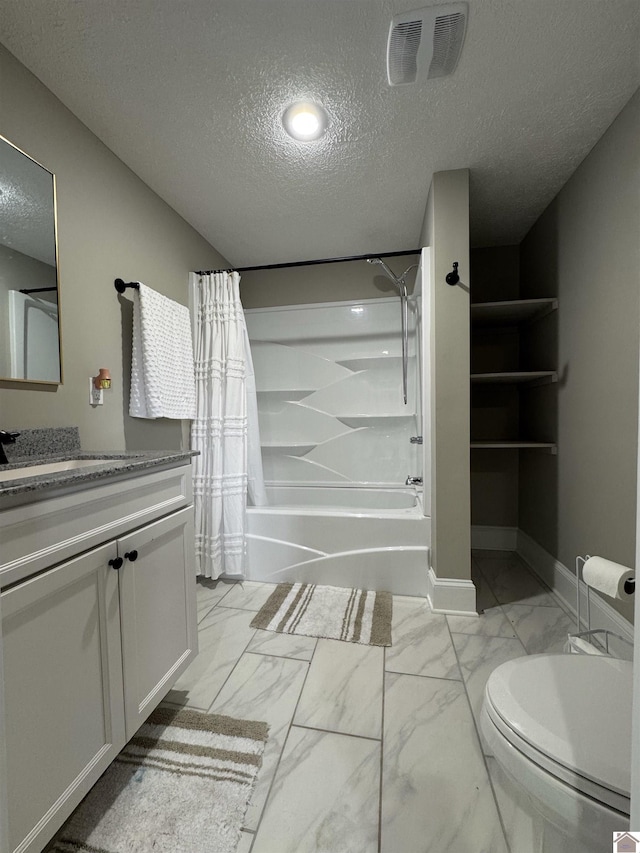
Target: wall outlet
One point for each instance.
(95, 394)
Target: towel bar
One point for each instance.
(121, 285)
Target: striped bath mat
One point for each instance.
(353, 615)
(182, 783)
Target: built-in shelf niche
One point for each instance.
(514, 445)
(517, 377)
(511, 312)
(505, 314)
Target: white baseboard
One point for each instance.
(489, 538)
(451, 595)
(563, 583)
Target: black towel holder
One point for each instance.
(121, 285)
(453, 277)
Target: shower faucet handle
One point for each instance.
(416, 439)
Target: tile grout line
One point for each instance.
(502, 610)
(202, 586)
(244, 651)
(484, 757)
(556, 603)
(207, 710)
(272, 655)
(232, 670)
(212, 608)
(284, 744)
(420, 675)
(384, 678)
(486, 637)
(514, 555)
(334, 732)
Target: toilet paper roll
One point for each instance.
(608, 577)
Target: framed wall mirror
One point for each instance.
(30, 348)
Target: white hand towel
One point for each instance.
(162, 366)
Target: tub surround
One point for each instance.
(375, 539)
(329, 383)
(337, 447)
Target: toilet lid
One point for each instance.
(572, 709)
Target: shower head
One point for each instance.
(398, 282)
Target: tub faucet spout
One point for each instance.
(413, 481)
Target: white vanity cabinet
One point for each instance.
(90, 644)
(157, 612)
(63, 705)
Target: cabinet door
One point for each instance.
(158, 611)
(63, 700)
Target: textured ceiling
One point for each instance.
(189, 94)
(26, 206)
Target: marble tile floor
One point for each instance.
(373, 750)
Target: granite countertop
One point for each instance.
(121, 463)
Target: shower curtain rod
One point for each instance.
(314, 263)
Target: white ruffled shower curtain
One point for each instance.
(225, 429)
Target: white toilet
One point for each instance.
(560, 728)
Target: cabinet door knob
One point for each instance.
(116, 563)
(131, 555)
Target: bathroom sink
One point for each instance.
(56, 467)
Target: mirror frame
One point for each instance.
(48, 382)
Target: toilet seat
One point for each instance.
(571, 716)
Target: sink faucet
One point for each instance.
(413, 481)
(6, 438)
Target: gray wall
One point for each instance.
(446, 230)
(322, 283)
(585, 249)
(110, 225)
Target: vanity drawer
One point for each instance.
(38, 535)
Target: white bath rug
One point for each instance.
(352, 615)
(182, 783)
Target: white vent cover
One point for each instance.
(429, 38)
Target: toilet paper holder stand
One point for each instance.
(598, 638)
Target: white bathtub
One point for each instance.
(373, 538)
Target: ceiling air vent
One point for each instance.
(428, 41)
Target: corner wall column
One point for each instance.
(446, 231)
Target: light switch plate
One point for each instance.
(95, 394)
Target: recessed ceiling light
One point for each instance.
(304, 121)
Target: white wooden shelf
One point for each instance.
(515, 445)
(511, 312)
(516, 376)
